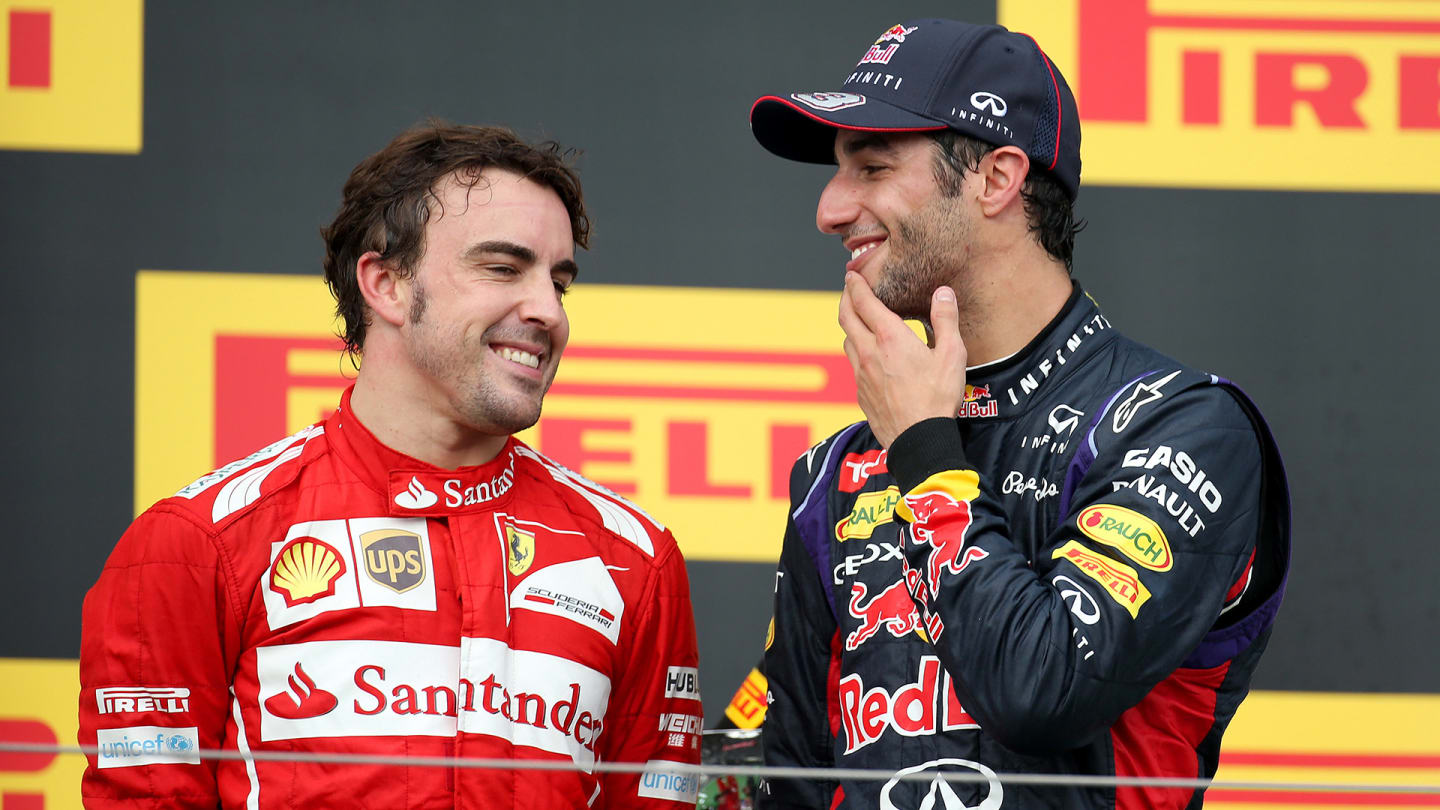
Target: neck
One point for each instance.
(409, 415)
(1001, 312)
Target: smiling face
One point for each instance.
(904, 235)
(486, 325)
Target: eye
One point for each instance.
(872, 169)
(561, 289)
(501, 269)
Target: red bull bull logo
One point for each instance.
(896, 33)
(880, 53)
(942, 522)
(892, 609)
(973, 406)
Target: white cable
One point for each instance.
(827, 774)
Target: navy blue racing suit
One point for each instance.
(1077, 575)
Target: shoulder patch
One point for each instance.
(618, 514)
(243, 489)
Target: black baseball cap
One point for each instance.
(983, 81)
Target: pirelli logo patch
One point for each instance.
(1120, 580)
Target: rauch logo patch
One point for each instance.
(1133, 534)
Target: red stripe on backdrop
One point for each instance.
(29, 49)
(1295, 24)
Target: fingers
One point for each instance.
(857, 335)
(876, 316)
(944, 319)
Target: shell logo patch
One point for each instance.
(1131, 533)
(306, 570)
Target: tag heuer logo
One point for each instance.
(393, 558)
(521, 547)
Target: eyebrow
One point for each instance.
(874, 140)
(524, 254)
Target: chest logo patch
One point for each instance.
(305, 570)
(520, 549)
(871, 509)
(393, 558)
(1131, 533)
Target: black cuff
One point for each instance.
(926, 448)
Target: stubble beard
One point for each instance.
(931, 251)
(447, 354)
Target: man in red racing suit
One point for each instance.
(330, 594)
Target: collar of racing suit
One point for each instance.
(412, 487)
(1005, 387)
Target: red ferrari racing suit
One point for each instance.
(328, 594)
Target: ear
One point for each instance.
(1003, 174)
(387, 295)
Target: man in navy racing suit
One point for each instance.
(1049, 549)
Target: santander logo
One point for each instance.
(416, 496)
(303, 700)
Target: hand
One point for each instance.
(898, 379)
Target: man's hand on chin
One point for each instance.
(900, 380)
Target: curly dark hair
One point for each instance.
(387, 201)
(1048, 209)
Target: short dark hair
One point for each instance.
(1049, 210)
(386, 202)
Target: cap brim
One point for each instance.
(802, 126)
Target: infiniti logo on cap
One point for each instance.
(989, 101)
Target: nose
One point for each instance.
(540, 302)
(839, 206)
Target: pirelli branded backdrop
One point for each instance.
(1261, 182)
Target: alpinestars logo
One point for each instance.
(1142, 395)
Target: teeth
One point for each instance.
(857, 252)
(523, 358)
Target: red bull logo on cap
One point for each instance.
(896, 33)
(880, 53)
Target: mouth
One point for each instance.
(860, 249)
(518, 356)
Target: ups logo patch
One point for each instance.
(393, 558)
